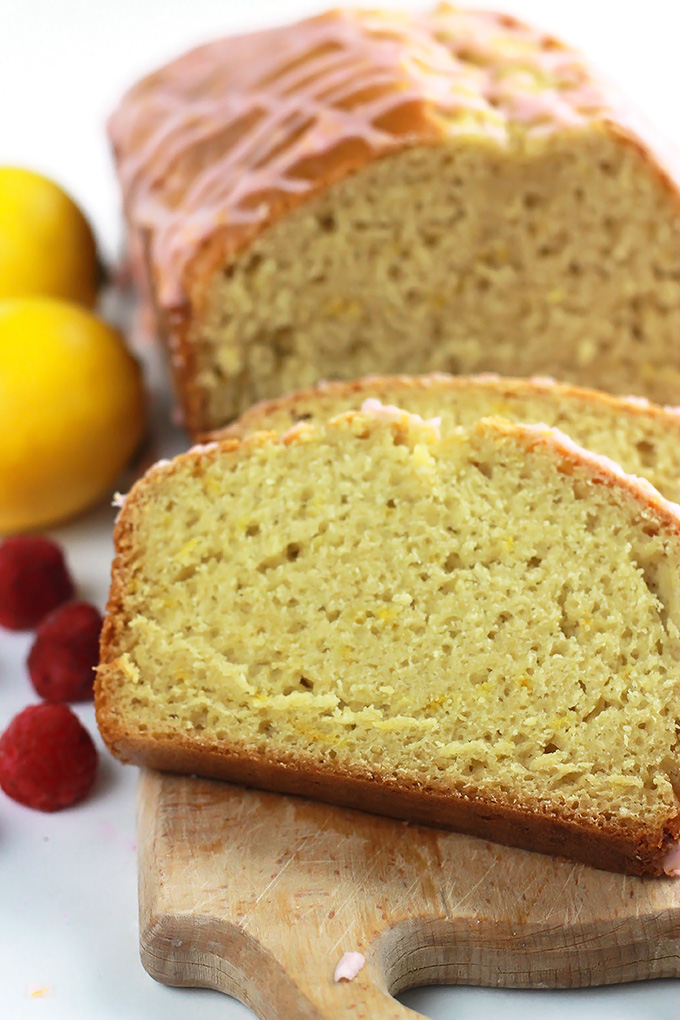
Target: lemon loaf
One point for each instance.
(642, 437)
(478, 631)
(398, 192)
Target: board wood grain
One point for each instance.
(259, 895)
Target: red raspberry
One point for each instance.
(47, 759)
(65, 651)
(34, 579)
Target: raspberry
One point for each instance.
(34, 580)
(65, 651)
(47, 759)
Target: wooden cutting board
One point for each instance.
(259, 895)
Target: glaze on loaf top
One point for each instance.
(222, 141)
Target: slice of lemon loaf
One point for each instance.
(642, 437)
(479, 631)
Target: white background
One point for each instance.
(68, 927)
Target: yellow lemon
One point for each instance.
(71, 411)
(46, 244)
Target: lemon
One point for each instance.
(71, 410)
(46, 244)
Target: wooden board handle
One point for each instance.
(197, 952)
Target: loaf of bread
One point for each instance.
(642, 437)
(477, 631)
(398, 192)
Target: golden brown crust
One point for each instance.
(355, 391)
(610, 845)
(611, 848)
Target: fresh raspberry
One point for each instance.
(34, 579)
(65, 651)
(47, 759)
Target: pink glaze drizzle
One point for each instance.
(391, 413)
(605, 464)
(223, 140)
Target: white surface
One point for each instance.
(68, 910)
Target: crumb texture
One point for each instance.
(462, 258)
(481, 614)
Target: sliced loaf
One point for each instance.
(389, 191)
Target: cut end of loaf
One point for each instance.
(560, 259)
(483, 626)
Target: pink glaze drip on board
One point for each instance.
(348, 966)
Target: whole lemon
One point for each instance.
(71, 411)
(46, 244)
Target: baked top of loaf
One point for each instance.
(642, 437)
(479, 630)
(398, 192)
(222, 141)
